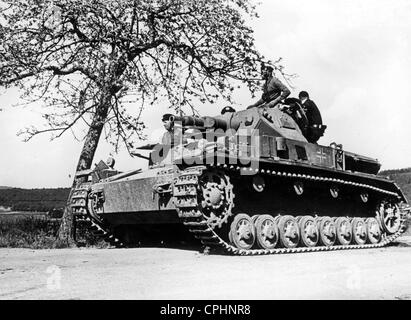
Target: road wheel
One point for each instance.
(373, 230)
(359, 231)
(344, 230)
(242, 231)
(308, 231)
(328, 232)
(266, 232)
(289, 231)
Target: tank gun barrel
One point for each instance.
(203, 122)
(215, 123)
(188, 121)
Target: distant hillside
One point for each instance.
(33, 199)
(395, 171)
(402, 177)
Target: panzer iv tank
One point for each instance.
(248, 183)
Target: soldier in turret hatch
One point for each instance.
(172, 135)
(170, 139)
(273, 90)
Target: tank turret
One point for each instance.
(275, 133)
(280, 119)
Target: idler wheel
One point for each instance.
(95, 205)
(308, 231)
(359, 230)
(390, 217)
(328, 232)
(242, 232)
(344, 230)
(266, 231)
(289, 231)
(373, 230)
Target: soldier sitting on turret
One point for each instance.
(310, 108)
(273, 90)
(315, 128)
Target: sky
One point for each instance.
(353, 57)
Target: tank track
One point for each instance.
(185, 193)
(80, 213)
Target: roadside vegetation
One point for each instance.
(39, 231)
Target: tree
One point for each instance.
(86, 60)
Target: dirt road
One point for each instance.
(161, 273)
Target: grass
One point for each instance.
(29, 231)
(38, 231)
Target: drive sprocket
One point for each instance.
(216, 197)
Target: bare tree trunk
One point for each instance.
(66, 231)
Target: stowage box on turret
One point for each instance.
(246, 183)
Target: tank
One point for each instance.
(250, 182)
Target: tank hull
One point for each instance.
(134, 199)
(145, 208)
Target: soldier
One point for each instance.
(169, 137)
(310, 109)
(227, 109)
(314, 128)
(273, 90)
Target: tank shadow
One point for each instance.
(194, 246)
(401, 242)
(158, 236)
